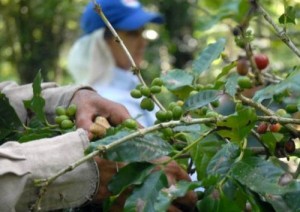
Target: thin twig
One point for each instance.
(135, 69)
(280, 32)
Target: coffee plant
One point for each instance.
(238, 137)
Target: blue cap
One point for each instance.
(124, 15)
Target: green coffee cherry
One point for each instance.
(135, 93)
(71, 110)
(244, 82)
(172, 105)
(59, 119)
(155, 89)
(291, 108)
(157, 81)
(177, 112)
(147, 104)
(167, 132)
(130, 123)
(169, 115)
(161, 115)
(60, 110)
(145, 91)
(192, 93)
(66, 124)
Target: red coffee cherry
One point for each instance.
(262, 128)
(261, 61)
(275, 127)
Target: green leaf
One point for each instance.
(204, 152)
(141, 148)
(179, 82)
(239, 125)
(167, 195)
(226, 69)
(231, 84)
(218, 204)
(143, 197)
(211, 53)
(262, 177)
(288, 16)
(270, 139)
(9, 120)
(37, 103)
(290, 83)
(201, 99)
(223, 160)
(131, 174)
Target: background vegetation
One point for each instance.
(36, 35)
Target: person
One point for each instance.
(22, 163)
(98, 60)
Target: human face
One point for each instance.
(134, 42)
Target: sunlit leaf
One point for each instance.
(288, 16)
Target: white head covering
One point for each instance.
(90, 60)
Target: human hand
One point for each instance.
(90, 105)
(172, 170)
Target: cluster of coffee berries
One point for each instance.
(243, 67)
(173, 112)
(145, 92)
(65, 116)
(263, 127)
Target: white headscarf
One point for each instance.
(90, 60)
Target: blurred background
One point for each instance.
(36, 35)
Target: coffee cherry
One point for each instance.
(192, 93)
(169, 115)
(244, 82)
(60, 110)
(290, 146)
(262, 128)
(161, 115)
(59, 119)
(145, 91)
(71, 110)
(261, 61)
(242, 67)
(171, 105)
(130, 123)
(147, 104)
(135, 93)
(291, 108)
(157, 81)
(66, 124)
(155, 89)
(177, 112)
(275, 127)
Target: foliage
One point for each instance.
(237, 166)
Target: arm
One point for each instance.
(20, 164)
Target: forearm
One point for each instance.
(20, 164)
(53, 95)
